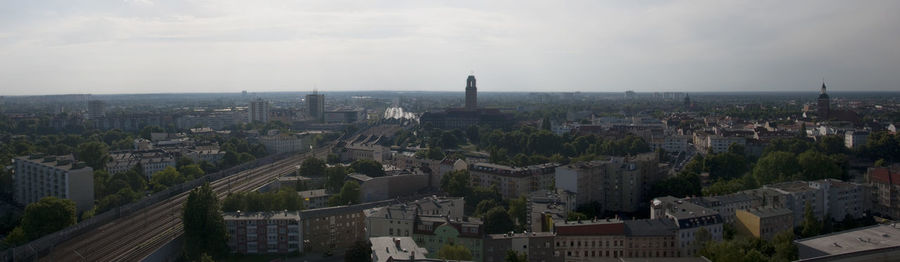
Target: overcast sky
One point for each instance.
(149, 46)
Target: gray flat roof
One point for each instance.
(855, 240)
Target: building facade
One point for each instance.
(538, 247)
(38, 176)
(258, 111)
(513, 182)
(618, 183)
(315, 105)
(691, 219)
(264, 232)
(471, 93)
(433, 232)
(764, 223)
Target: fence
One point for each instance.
(44, 245)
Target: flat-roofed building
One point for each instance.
(764, 222)
(399, 219)
(513, 182)
(726, 205)
(264, 232)
(314, 198)
(619, 184)
(538, 247)
(39, 176)
(873, 243)
(335, 228)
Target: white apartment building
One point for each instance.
(37, 176)
(258, 111)
(690, 218)
(283, 143)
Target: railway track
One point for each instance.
(138, 235)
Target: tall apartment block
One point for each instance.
(38, 176)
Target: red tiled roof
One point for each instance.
(884, 175)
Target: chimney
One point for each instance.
(397, 243)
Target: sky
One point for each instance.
(157, 46)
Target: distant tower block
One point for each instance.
(823, 104)
(471, 93)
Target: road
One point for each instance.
(134, 237)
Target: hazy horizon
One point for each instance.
(157, 47)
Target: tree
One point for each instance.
(204, 227)
(452, 251)
(333, 159)
(497, 221)
(166, 178)
(683, 185)
(183, 161)
(334, 178)
(518, 210)
(484, 206)
(456, 183)
(16, 237)
(513, 256)
(48, 215)
(312, 167)
(367, 167)
(190, 172)
(349, 195)
(776, 167)
(94, 153)
(702, 237)
(810, 226)
(784, 246)
(815, 165)
(434, 153)
(727, 165)
(360, 251)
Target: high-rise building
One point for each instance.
(259, 111)
(96, 109)
(823, 104)
(264, 232)
(315, 105)
(40, 176)
(471, 93)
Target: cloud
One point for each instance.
(211, 46)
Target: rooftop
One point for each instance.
(64, 162)
(276, 215)
(650, 227)
(396, 248)
(854, 240)
(766, 212)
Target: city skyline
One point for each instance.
(163, 47)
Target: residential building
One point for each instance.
(618, 183)
(690, 219)
(764, 222)
(344, 116)
(719, 144)
(856, 138)
(538, 247)
(394, 184)
(258, 111)
(726, 205)
(39, 176)
(315, 105)
(96, 109)
(399, 219)
(885, 185)
(312, 199)
(433, 232)
(873, 243)
(387, 249)
(283, 143)
(264, 232)
(651, 238)
(335, 229)
(513, 182)
(151, 161)
(546, 206)
(587, 240)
